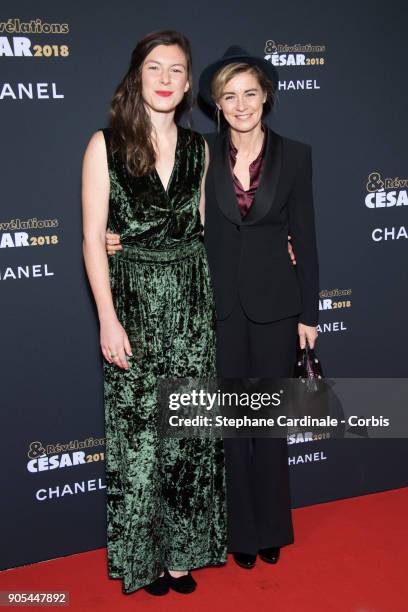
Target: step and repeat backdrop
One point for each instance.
(342, 89)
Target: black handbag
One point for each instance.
(308, 368)
(309, 397)
(315, 396)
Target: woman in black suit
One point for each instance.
(258, 189)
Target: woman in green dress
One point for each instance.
(143, 177)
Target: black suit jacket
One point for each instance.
(248, 257)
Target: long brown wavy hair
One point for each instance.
(130, 123)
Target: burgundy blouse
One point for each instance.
(245, 198)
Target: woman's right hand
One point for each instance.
(115, 343)
(112, 243)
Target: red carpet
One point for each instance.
(349, 556)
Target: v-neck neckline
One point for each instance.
(166, 190)
(233, 149)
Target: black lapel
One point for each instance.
(224, 188)
(271, 168)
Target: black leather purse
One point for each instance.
(315, 397)
(308, 368)
(308, 398)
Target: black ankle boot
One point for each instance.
(244, 560)
(160, 586)
(183, 584)
(270, 555)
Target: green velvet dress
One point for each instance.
(165, 497)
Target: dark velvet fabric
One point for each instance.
(165, 497)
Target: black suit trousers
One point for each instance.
(257, 472)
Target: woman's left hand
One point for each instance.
(309, 332)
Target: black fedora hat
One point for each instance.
(233, 54)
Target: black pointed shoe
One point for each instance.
(244, 560)
(160, 586)
(270, 555)
(183, 584)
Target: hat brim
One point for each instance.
(207, 75)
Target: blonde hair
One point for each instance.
(226, 73)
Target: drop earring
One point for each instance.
(218, 119)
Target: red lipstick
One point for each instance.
(164, 94)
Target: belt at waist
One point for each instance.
(176, 253)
